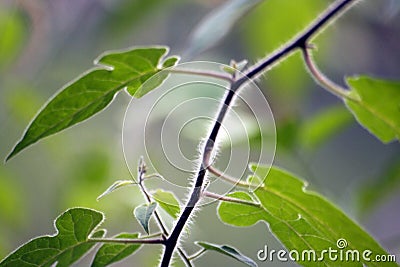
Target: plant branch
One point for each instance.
(141, 176)
(322, 80)
(226, 177)
(332, 11)
(197, 254)
(185, 258)
(201, 174)
(128, 241)
(212, 74)
(300, 41)
(151, 236)
(229, 199)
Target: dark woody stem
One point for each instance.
(299, 42)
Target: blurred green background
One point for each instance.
(46, 43)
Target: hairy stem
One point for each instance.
(201, 174)
(299, 42)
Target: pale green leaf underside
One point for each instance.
(111, 253)
(74, 227)
(228, 251)
(168, 202)
(94, 90)
(300, 219)
(379, 107)
(143, 214)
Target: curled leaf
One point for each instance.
(143, 214)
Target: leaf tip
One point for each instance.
(14, 151)
(170, 62)
(8, 157)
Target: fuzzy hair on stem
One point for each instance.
(299, 42)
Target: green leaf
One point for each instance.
(228, 69)
(167, 201)
(325, 124)
(116, 185)
(111, 253)
(170, 62)
(228, 251)
(300, 219)
(378, 107)
(74, 227)
(239, 215)
(143, 213)
(217, 24)
(94, 90)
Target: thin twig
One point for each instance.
(185, 258)
(128, 241)
(226, 177)
(151, 236)
(197, 254)
(230, 199)
(321, 79)
(141, 176)
(212, 74)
